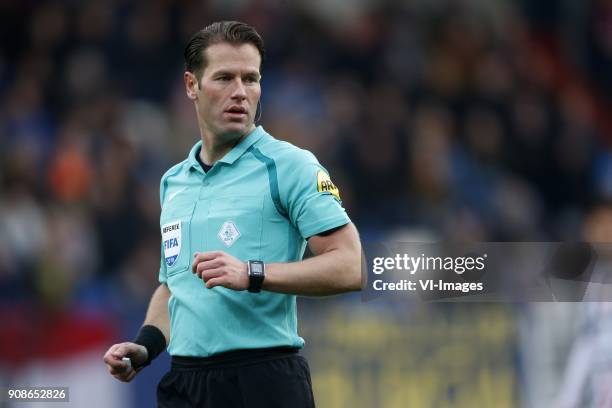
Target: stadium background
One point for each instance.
(438, 119)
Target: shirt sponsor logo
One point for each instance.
(324, 184)
(171, 240)
(228, 234)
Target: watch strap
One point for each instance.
(256, 272)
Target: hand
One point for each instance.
(120, 369)
(218, 268)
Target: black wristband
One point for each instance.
(153, 340)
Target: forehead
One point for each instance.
(231, 57)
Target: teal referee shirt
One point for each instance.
(262, 200)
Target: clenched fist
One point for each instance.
(122, 370)
(218, 268)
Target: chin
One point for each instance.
(239, 126)
(237, 129)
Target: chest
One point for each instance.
(234, 213)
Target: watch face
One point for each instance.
(257, 268)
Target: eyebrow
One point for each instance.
(231, 73)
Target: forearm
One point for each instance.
(335, 268)
(157, 313)
(332, 272)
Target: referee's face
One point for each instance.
(226, 101)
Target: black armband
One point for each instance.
(153, 340)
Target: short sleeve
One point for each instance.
(162, 272)
(163, 187)
(312, 200)
(162, 265)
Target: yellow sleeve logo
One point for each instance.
(324, 184)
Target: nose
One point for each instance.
(239, 91)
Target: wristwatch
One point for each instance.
(257, 272)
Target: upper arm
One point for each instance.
(309, 197)
(344, 238)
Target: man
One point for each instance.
(237, 214)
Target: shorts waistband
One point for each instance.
(232, 358)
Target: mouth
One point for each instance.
(237, 111)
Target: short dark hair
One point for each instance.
(233, 32)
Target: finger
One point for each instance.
(108, 356)
(211, 273)
(111, 350)
(210, 255)
(200, 257)
(124, 350)
(126, 376)
(130, 376)
(121, 351)
(203, 257)
(208, 266)
(212, 264)
(119, 369)
(211, 283)
(118, 366)
(111, 359)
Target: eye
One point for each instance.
(251, 80)
(224, 78)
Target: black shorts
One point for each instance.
(271, 378)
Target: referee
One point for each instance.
(235, 220)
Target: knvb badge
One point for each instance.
(171, 238)
(228, 233)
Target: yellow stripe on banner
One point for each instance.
(324, 184)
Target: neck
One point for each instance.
(214, 147)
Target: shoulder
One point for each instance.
(171, 172)
(297, 169)
(285, 154)
(174, 170)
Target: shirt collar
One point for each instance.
(234, 154)
(248, 141)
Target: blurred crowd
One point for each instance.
(452, 119)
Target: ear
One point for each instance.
(191, 85)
